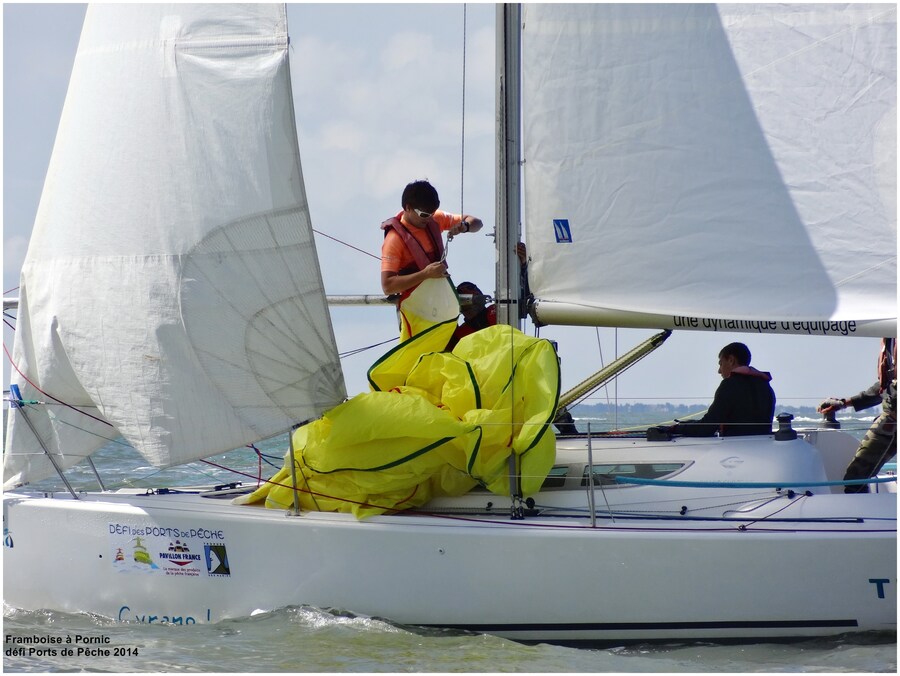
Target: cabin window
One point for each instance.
(605, 475)
(556, 478)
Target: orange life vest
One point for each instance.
(420, 256)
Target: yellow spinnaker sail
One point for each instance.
(449, 422)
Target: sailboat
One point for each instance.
(172, 296)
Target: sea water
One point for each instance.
(309, 640)
(301, 639)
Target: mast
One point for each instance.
(508, 212)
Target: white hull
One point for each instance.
(785, 566)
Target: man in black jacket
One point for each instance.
(880, 442)
(744, 402)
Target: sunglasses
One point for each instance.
(422, 214)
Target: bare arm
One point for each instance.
(467, 224)
(393, 282)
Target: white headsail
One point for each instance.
(725, 167)
(171, 286)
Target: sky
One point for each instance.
(378, 95)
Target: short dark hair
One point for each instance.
(420, 195)
(737, 350)
(467, 287)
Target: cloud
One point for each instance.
(385, 177)
(342, 135)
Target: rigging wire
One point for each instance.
(58, 401)
(602, 365)
(110, 440)
(350, 353)
(462, 140)
(347, 244)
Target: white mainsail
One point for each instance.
(727, 167)
(171, 286)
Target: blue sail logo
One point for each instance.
(562, 230)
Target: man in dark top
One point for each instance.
(477, 315)
(880, 442)
(744, 402)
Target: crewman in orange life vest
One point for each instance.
(413, 248)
